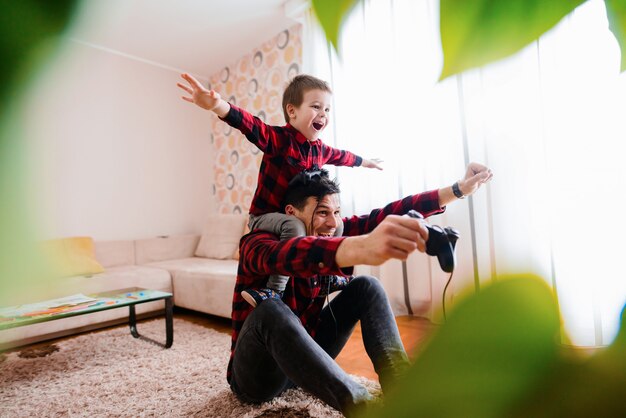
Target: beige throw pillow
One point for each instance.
(221, 235)
(246, 230)
(73, 256)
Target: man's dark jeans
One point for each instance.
(274, 352)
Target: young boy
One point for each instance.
(287, 151)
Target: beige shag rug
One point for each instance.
(111, 374)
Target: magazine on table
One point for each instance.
(47, 306)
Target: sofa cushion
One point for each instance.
(115, 253)
(221, 235)
(72, 256)
(203, 284)
(165, 248)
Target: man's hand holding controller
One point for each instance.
(397, 237)
(441, 243)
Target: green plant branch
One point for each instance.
(478, 32)
(616, 13)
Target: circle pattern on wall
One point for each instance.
(256, 82)
(230, 181)
(293, 71)
(253, 86)
(257, 60)
(283, 39)
(225, 74)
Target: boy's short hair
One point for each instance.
(294, 93)
(309, 183)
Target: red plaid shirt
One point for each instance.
(286, 152)
(304, 258)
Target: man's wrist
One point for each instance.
(456, 190)
(350, 251)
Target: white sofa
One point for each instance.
(199, 283)
(200, 270)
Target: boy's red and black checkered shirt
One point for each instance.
(303, 259)
(286, 152)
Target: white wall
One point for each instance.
(117, 153)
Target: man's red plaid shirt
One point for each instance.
(286, 152)
(303, 259)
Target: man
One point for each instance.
(294, 341)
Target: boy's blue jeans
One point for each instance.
(284, 226)
(274, 352)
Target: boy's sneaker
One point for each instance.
(330, 284)
(256, 296)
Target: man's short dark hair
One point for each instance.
(300, 84)
(309, 183)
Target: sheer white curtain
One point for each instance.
(548, 121)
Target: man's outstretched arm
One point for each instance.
(427, 203)
(394, 238)
(475, 176)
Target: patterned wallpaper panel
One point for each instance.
(255, 83)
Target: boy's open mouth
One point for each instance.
(318, 126)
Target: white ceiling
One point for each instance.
(197, 36)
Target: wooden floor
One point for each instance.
(353, 358)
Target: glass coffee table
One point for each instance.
(79, 304)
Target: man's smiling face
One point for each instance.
(321, 218)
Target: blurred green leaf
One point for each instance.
(24, 25)
(493, 350)
(331, 14)
(477, 32)
(582, 387)
(616, 12)
(29, 30)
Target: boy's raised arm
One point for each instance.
(372, 163)
(206, 99)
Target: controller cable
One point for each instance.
(331, 311)
(443, 301)
(328, 290)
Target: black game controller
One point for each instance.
(441, 242)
